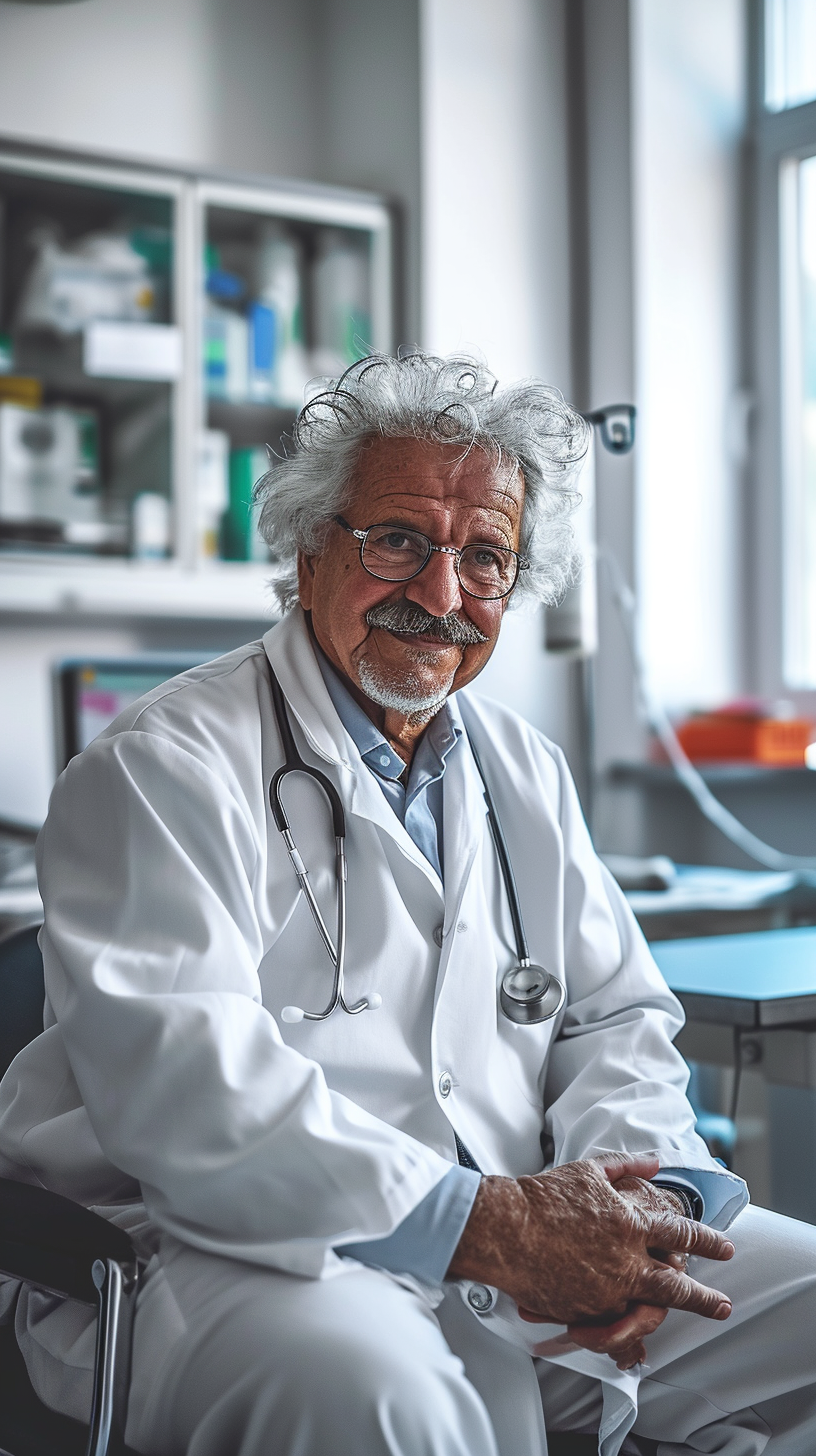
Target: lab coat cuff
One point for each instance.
(723, 1194)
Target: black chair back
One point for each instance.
(22, 993)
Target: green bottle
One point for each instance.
(239, 532)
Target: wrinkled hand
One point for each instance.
(655, 1201)
(593, 1246)
(623, 1340)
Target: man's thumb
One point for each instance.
(628, 1165)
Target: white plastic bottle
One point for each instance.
(212, 494)
(341, 302)
(279, 287)
(150, 526)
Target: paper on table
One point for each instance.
(707, 887)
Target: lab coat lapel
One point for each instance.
(464, 828)
(289, 649)
(369, 802)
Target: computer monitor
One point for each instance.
(90, 692)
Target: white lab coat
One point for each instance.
(175, 932)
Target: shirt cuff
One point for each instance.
(723, 1194)
(425, 1242)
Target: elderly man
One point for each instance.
(426, 1227)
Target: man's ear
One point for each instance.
(305, 574)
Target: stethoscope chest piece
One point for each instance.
(529, 995)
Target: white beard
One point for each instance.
(403, 696)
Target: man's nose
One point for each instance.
(437, 587)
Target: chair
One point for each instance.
(48, 1241)
(717, 1131)
(22, 993)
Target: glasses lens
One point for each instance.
(488, 571)
(395, 554)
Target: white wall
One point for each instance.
(194, 81)
(261, 78)
(688, 116)
(496, 243)
(495, 214)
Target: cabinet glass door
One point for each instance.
(89, 356)
(285, 301)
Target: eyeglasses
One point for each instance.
(396, 553)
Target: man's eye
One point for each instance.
(483, 556)
(396, 541)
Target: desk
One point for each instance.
(755, 980)
(750, 1001)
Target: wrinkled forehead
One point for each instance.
(423, 474)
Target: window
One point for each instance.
(798, 224)
(780, 583)
(790, 53)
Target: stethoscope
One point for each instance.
(528, 994)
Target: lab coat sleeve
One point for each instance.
(615, 1081)
(151, 946)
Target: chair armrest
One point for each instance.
(50, 1241)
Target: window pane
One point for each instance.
(799, 374)
(790, 53)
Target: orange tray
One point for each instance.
(722, 736)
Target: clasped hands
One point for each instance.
(592, 1245)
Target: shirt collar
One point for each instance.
(444, 729)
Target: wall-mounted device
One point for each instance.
(616, 423)
(571, 627)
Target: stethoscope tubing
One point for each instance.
(513, 901)
(293, 763)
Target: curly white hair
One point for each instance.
(453, 400)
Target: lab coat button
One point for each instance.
(445, 1084)
(480, 1298)
(462, 926)
(439, 935)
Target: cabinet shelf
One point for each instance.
(223, 590)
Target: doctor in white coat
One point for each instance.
(422, 1229)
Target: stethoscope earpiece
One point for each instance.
(292, 1014)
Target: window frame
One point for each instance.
(777, 141)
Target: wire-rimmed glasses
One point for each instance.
(397, 553)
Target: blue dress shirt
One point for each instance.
(425, 1242)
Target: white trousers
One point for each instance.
(232, 1360)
